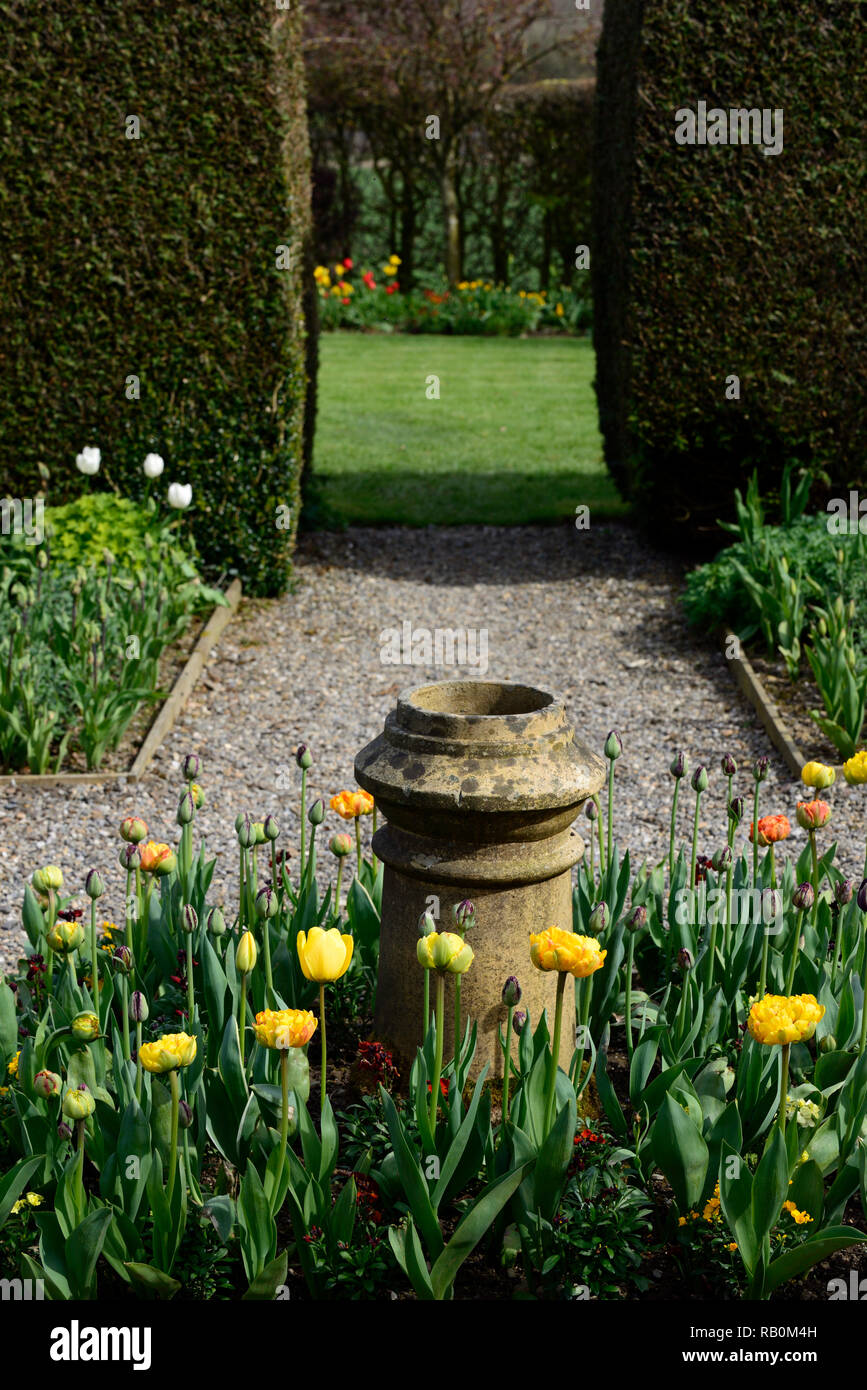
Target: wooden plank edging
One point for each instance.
(166, 718)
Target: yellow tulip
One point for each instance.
(247, 953)
(324, 955)
(170, 1051)
(818, 775)
(65, 936)
(855, 770)
(779, 1019)
(444, 951)
(555, 949)
(283, 1028)
(78, 1104)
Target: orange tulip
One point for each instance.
(812, 815)
(349, 805)
(157, 858)
(772, 829)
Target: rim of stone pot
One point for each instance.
(452, 708)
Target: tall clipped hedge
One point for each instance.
(712, 261)
(157, 258)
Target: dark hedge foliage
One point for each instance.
(157, 258)
(717, 260)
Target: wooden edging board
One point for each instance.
(748, 682)
(165, 720)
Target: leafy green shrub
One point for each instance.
(80, 532)
(705, 265)
(176, 163)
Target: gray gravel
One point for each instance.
(591, 614)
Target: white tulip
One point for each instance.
(88, 461)
(153, 465)
(180, 494)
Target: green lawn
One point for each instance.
(513, 437)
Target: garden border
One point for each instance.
(748, 683)
(166, 715)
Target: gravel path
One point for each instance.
(591, 614)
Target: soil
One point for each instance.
(795, 699)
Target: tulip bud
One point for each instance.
(736, 809)
(186, 809)
(844, 891)
(189, 919)
(133, 830)
(684, 958)
(246, 831)
(247, 953)
(637, 919)
(64, 1131)
(812, 815)
(129, 857)
(862, 895)
(65, 936)
(47, 1084)
(828, 1043)
(511, 992)
(340, 845)
(599, 919)
(519, 1018)
(729, 766)
(85, 1027)
(591, 810)
(198, 795)
(271, 828)
(259, 831)
(722, 860)
(464, 915)
(427, 923)
(266, 903)
(303, 757)
(191, 767)
(760, 767)
(772, 905)
(699, 779)
(78, 1104)
(166, 866)
(185, 1115)
(613, 746)
(138, 1007)
(803, 897)
(49, 879)
(679, 766)
(122, 960)
(316, 814)
(93, 885)
(216, 922)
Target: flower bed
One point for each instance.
(373, 299)
(95, 613)
(193, 1106)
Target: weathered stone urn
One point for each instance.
(479, 783)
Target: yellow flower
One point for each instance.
(34, 1199)
(554, 949)
(445, 951)
(324, 955)
(284, 1028)
(818, 775)
(464, 285)
(389, 269)
(170, 1051)
(51, 877)
(395, 260)
(799, 1217)
(778, 1019)
(855, 770)
(559, 311)
(732, 1245)
(247, 953)
(85, 1026)
(12, 1064)
(78, 1104)
(65, 937)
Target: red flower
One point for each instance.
(392, 288)
(444, 1088)
(368, 279)
(347, 264)
(344, 301)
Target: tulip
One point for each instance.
(818, 775)
(699, 782)
(185, 1115)
(760, 767)
(612, 750)
(88, 461)
(153, 466)
(760, 772)
(191, 767)
(855, 769)
(48, 880)
(729, 766)
(85, 1026)
(427, 927)
(518, 1021)
(216, 922)
(813, 815)
(64, 1132)
(635, 922)
(198, 795)
(464, 916)
(803, 900)
(316, 814)
(259, 831)
(138, 1014)
(129, 857)
(862, 895)
(598, 919)
(679, 766)
(180, 495)
(47, 1084)
(246, 956)
(168, 1054)
(78, 1104)
(284, 1030)
(781, 1020)
(157, 858)
(133, 830)
(511, 998)
(186, 809)
(303, 757)
(844, 891)
(266, 905)
(271, 828)
(446, 953)
(567, 953)
(324, 957)
(65, 937)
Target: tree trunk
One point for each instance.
(451, 217)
